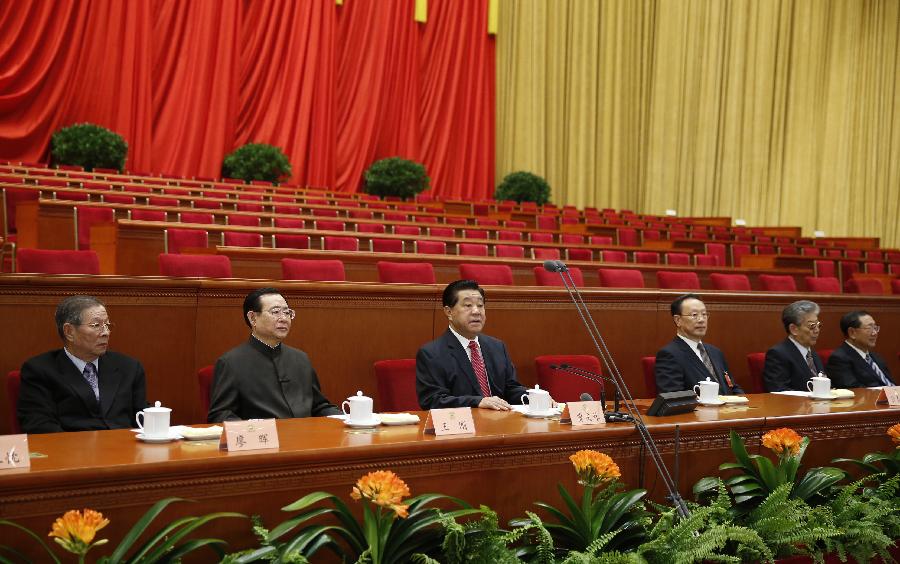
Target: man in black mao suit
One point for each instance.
(793, 361)
(680, 365)
(851, 364)
(81, 387)
(264, 378)
(445, 368)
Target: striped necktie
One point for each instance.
(871, 362)
(90, 374)
(480, 370)
(810, 363)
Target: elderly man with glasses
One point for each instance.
(855, 364)
(264, 378)
(686, 359)
(793, 361)
(82, 386)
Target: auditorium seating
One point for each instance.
(648, 369)
(409, 272)
(755, 362)
(147, 215)
(646, 257)
(579, 254)
(396, 380)
(241, 239)
(244, 220)
(825, 284)
(336, 243)
(46, 261)
(194, 266)
(613, 256)
(430, 247)
(545, 278)
(732, 282)
(670, 280)
(540, 253)
(323, 270)
(290, 241)
(175, 240)
(565, 386)
(204, 382)
(777, 283)
(472, 249)
(84, 218)
(868, 286)
(620, 278)
(487, 274)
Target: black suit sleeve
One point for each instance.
(840, 370)
(432, 386)
(776, 372)
(669, 373)
(224, 402)
(139, 390)
(320, 404)
(37, 407)
(512, 389)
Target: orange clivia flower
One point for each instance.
(75, 530)
(894, 434)
(382, 488)
(784, 441)
(594, 468)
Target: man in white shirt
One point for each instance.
(855, 364)
(793, 361)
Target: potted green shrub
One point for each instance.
(523, 186)
(90, 146)
(395, 177)
(257, 161)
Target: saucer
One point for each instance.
(539, 414)
(373, 422)
(713, 403)
(157, 440)
(829, 397)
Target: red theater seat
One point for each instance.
(545, 278)
(678, 258)
(620, 278)
(195, 266)
(45, 261)
(85, 217)
(175, 240)
(537, 237)
(243, 220)
(755, 362)
(579, 254)
(540, 253)
(777, 283)
(669, 280)
(825, 269)
(289, 241)
(378, 245)
(323, 270)
(646, 257)
(613, 256)
(147, 215)
(333, 243)
(408, 272)
(241, 239)
(648, 368)
(196, 217)
(329, 225)
(869, 286)
(472, 249)
(430, 247)
(825, 284)
(509, 251)
(732, 282)
(370, 228)
(565, 386)
(396, 385)
(487, 274)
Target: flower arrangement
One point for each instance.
(606, 518)
(75, 531)
(894, 433)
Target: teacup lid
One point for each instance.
(158, 407)
(359, 396)
(537, 390)
(708, 381)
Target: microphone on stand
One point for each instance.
(611, 416)
(586, 397)
(589, 376)
(621, 387)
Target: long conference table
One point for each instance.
(510, 462)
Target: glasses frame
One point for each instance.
(696, 315)
(96, 326)
(277, 312)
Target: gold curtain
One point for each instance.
(780, 112)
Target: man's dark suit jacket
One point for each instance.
(847, 369)
(786, 369)
(55, 397)
(678, 368)
(445, 377)
(255, 381)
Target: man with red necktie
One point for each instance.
(463, 367)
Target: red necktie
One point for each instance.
(480, 370)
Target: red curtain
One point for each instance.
(336, 87)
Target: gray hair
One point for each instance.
(794, 313)
(70, 309)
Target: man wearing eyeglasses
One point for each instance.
(855, 364)
(793, 361)
(264, 378)
(82, 386)
(687, 360)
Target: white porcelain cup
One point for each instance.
(707, 391)
(154, 421)
(820, 386)
(358, 408)
(538, 400)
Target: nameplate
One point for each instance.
(450, 421)
(255, 434)
(583, 414)
(889, 395)
(14, 452)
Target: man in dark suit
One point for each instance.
(463, 367)
(855, 364)
(83, 386)
(264, 378)
(793, 361)
(687, 360)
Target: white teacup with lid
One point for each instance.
(538, 400)
(707, 391)
(819, 386)
(154, 421)
(358, 408)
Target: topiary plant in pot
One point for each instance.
(257, 161)
(523, 186)
(395, 177)
(90, 146)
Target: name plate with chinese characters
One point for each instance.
(889, 395)
(255, 434)
(450, 421)
(583, 414)
(14, 452)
